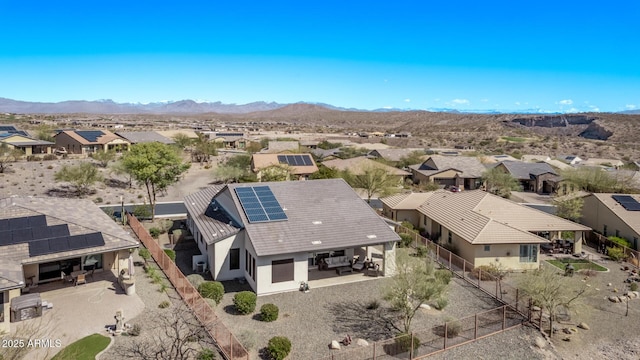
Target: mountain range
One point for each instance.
(186, 107)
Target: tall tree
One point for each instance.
(82, 176)
(500, 183)
(324, 172)
(373, 180)
(552, 292)
(182, 140)
(415, 157)
(203, 149)
(597, 180)
(414, 284)
(156, 166)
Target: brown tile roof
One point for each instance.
(406, 201)
(468, 167)
(103, 139)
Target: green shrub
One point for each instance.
(245, 302)
(279, 347)
(633, 286)
(212, 290)
(408, 225)
(620, 241)
(195, 280)
(155, 232)
(443, 275)
(441, 303)
(98, 200)
(177, 235)
(615, 253)
(142, 212)
(422, 251)
(488, 272)
(144, 254)
(269, 312)
(403, 341)
(405, 240)
(171, 254)
(207, 354)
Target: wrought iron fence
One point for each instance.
(227, 343)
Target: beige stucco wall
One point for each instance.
(220, 266)
(29, 271)
(70, 144)
(263, 275)
(596, 215)
(507, 256)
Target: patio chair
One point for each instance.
(90, 273)
(81, 279)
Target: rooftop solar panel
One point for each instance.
(37, 221)
(18, 223)
(623, 198)
(5, 237)
(4, 224)
(295, 160)
(94, 239)
(21, 235)
(39, 247)
(90, 135)
(77, 242)
(59, 230)
(59, 244)
(7, 128)
(259, 204)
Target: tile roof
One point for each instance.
(523, 171)
(322, 215)
(213, 224)
(357, 165)
(470, 167)
(406, 201)
(483, 218)
(280, 146)
(393, 154)
(171, 133)
(107, 136)
(135, 137)
(82, 217)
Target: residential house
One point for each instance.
(611, 163)
(535, 158)
(309, 144)
(172, 133)
(26, 144)
(44, 239)
(231, 140)
(89, 141)
(463, 172)
(402, 207)
(533, 177)
(276, 234)
(570, 159)
(393, 155)
(613, 214)
(493, 159)
(358, 165)
(558, 164)
(294, 166)
(484, 228)
(137, 137)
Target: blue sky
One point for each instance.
(466, 55)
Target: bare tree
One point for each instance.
(38, 328)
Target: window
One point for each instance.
(282, 270)
(253, 274)
(604, 230)
(528, 253)
(635, 242)
(617, 233)
(487, 248)
(234, 259)
(450, 236)
(1, 306)
(246, 260)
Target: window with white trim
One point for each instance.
(528, 253)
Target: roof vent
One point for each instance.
(371, 236)
(316, 242)
(317, 222)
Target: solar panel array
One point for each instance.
(295, 160)
(227, 134)
(90, 135)
(44, 239)
(65, 243)
(628, 202)
(259, 204)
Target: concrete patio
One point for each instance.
(78, 311)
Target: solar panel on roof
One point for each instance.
(21, 235)
(295, 160)
(77, 242)
(38, 220)
(94, 239)
(628, 202)
(259, 204)
(5, 238)
(307, 160)
(59, 230)
(59, 244)
(7, 128)
(40, 247)
(4, 224)
(90, 135)
(18, 223)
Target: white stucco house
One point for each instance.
(274, 234)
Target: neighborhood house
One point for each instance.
(278, 234)
(89, 141)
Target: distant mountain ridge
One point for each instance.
(190, 107)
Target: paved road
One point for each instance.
(163, 209)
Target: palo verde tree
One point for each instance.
(104, 157)
(552, 292)
(182, 140)
(500, 183)
(414, 283)
(568, 207)
(8, 155)
(203, 149)
(82, 176)
(156, 166)
(373, 180)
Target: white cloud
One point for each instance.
(407, 100)
(573, 110)
(460, 101)
(565, 102)
(630, 106)
(387, 107)
(517, 102)
(436, 100)
(484, 100)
